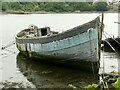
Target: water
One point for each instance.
(15, 68)
(110, 62)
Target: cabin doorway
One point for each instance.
(44, 31)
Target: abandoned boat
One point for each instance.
(74, 46)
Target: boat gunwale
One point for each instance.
(88, 25)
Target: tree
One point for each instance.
(101, 6)
(15, 5)
(4, 6)
(85, 7)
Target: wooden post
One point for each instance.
(100, 34)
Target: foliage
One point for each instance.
(117, 83)
(4, 6)
(54, 6)
(91, 87)
(88, 87)
(113, 82)
(100, 6)
(72, 86)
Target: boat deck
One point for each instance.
(32, 33)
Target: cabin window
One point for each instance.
(44, 31)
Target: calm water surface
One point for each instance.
(16, 68)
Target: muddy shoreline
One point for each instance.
(44, 12)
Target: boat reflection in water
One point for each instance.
(48, 75)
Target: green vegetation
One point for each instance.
(117, 83)
(91, 87)
(110, 82)
(53, 6)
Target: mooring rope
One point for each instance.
(8, 45)
(91, 54)
(117, 22)
(7, 55)
(7, 48)
(112, 38)
(10, 51)
(105, 85)
(110, 45)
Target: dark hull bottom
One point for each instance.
(92, 67)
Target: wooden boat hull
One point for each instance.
(80, 44)
(88, 66)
